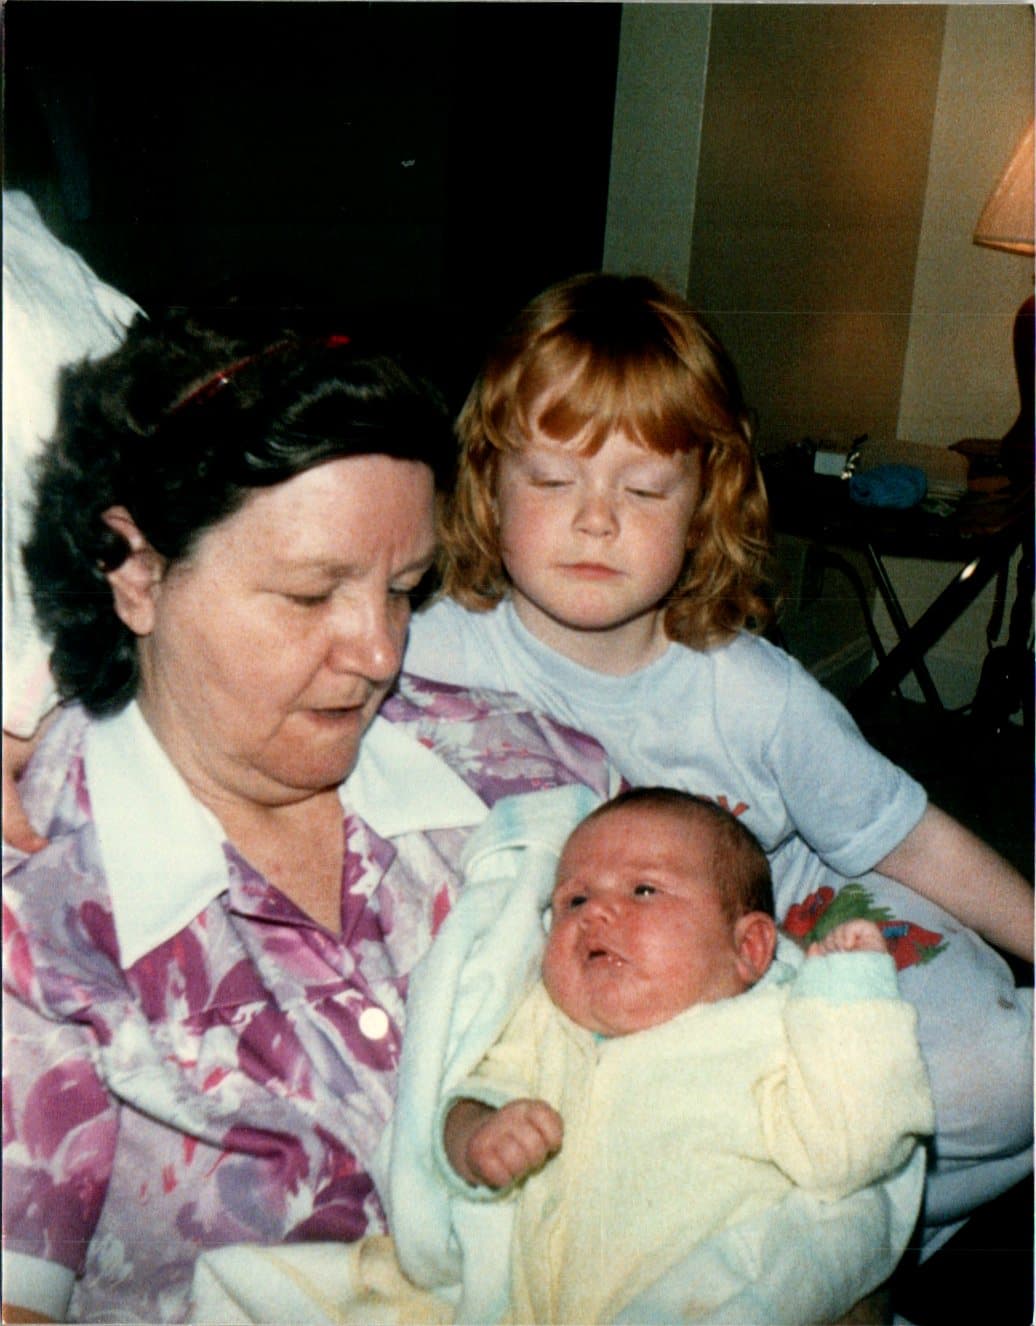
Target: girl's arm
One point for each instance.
(946, 863)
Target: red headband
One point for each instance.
(219, 379)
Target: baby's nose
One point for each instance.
(599, 907)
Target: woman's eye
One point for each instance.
(652, 493)
(543, 481)
(308, 600)
(415, 593)
(644, 890)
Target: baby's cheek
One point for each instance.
(557, 969)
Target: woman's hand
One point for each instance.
(498, 1147)
(21, 1316)
(17, 829)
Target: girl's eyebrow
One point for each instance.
(541, 451)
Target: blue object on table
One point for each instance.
(898, 486)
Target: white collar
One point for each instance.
(162, 850)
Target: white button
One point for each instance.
(374, 1023)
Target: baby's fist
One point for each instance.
(857, 936)
(513, 1141)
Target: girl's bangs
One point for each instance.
(588, 395)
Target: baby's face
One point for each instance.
(638, 932)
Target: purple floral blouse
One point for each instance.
(230, 1083)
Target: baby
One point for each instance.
(639, 1101)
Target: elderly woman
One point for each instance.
(206, 965)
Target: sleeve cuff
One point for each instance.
(843, 978)
(872, 846)
(38, 1285)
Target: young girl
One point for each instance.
(604, 558)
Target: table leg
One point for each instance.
(933, 623)
(902, 627)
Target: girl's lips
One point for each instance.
(591, 570)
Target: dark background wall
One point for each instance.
(429, 166)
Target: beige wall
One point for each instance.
(959, 376)
(659, 94)
(825, 185)
(810, 193)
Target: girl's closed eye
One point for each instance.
(654, 484)
(541, 479)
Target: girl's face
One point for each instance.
(593, 544)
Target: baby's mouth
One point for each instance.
(602, 955)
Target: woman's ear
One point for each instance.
(134, 581)
(755, 938)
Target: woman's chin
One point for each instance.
(323, 755)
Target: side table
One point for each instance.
(979, 535)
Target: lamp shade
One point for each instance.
(1007, 218)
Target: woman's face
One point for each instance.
(270, 648)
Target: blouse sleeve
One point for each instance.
(60, 1126)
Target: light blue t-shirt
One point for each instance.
(743, 723)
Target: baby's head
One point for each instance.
(596, 356)
(663, 900)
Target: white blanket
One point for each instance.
(807, 1261)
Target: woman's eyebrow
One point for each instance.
(334, 567)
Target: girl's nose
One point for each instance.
(596, 515)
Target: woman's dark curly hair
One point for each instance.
(178, 426)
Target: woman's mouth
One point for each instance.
(335, 716)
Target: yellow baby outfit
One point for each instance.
(674, 1133)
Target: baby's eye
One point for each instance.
(308, 600)
(549, 481)
(643, 890)
(574, 901)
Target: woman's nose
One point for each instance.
(368, 640)
(596, 515)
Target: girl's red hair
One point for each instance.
(602, 354)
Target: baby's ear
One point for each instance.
(755, 938)
(134, 582)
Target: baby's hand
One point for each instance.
(513, 1141)
(850, 937)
